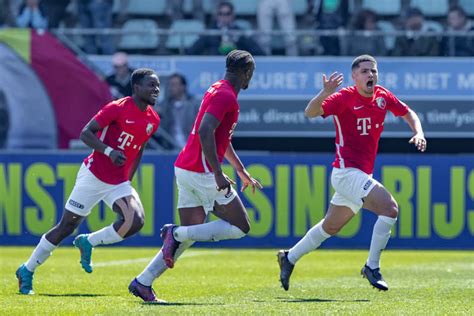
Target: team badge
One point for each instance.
(149, 128)
(380, 102)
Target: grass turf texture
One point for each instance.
(242, 282)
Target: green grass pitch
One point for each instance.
(243, 282)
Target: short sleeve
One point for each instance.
(220, 104)
(333, 104)
(397, 107)
(107, 114)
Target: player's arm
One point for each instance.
(413, 121)
(315, 106)
(136, 162)
(243, 174)
(89, 137)
(206, 131)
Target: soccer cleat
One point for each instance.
(25, 280)
(146, 293)
(170, 245)
(374, 277)
(286, 268)
(85, 248)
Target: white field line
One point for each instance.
(148, 259)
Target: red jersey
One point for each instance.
(124, 128)
(359, 123)
(220, 100)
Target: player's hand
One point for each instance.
(248, 180)
(117, 157)
(223, 181)
(330, 85)
(419, 141)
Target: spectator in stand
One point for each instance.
(414, 44)
(32, 14)
(329, 15)
(223, 44)
(119, 80)
(178, 112)
(96, 14)
(56, 11)
(366, 43)
(266, 11)
(458, 45)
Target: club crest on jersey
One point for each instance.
(149, 128)
(380, 102)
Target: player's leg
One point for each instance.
(83, 197)
(130, 220)
(48, 242)
(382, 203)
(336, 217)
(141, 285)
(233, 224)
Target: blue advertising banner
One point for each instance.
(301, 77)
(435, 194)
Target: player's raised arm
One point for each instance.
(89, 137)
(418, 139)
(243, 174)
(314, 107)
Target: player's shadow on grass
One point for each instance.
(179, 304)
(318, 300)
(72, 295)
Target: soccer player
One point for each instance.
(202, 185)
(359, 113)
(117, 134)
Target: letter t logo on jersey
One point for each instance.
(363, 124)
(125, 139)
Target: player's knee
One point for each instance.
(392, 209)
(136, 224)
(331, 229)
(245, 227)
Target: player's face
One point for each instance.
(149, 89)
(365, 77)
(248, 76)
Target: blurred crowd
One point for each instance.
(354, 25)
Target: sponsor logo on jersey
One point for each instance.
(76, 204)
(149, 128)
(367, 185)
(381, 102)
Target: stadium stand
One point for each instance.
(139, 41)
(178, 40)
(431, 9)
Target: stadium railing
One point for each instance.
(343, 35)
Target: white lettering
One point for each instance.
(124, 140)
(428, 81)
(466, 81)
(364, 126)
(289, 81)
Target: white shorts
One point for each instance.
(88, 191)
(200, 189)
(351, 186)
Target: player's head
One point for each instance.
(241, 64)
(365, 74)
(145, 85)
